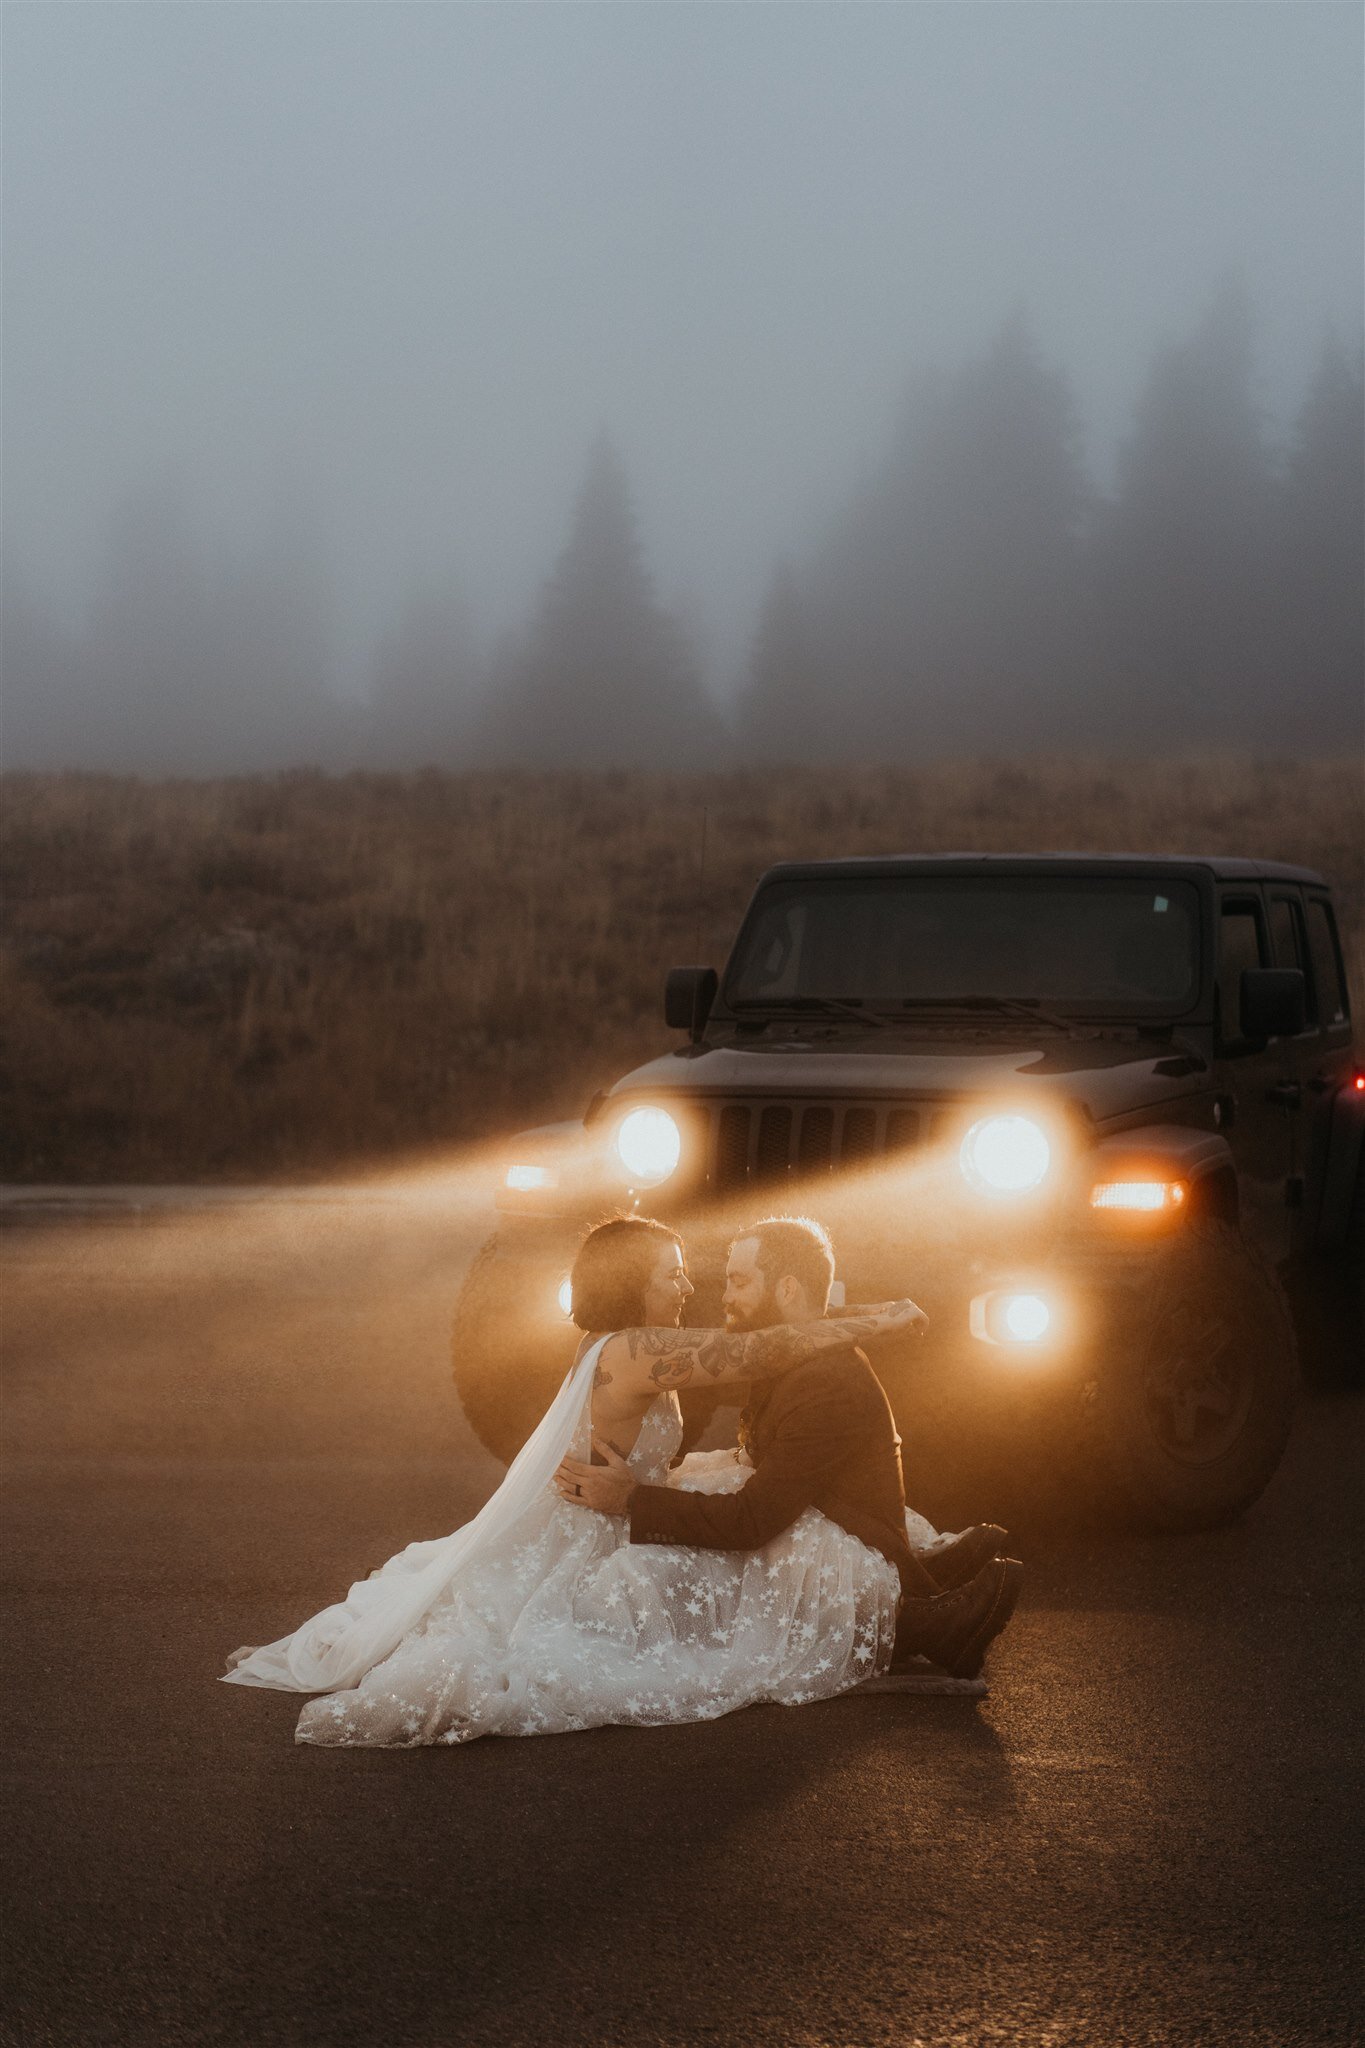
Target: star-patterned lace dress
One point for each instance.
(566, 1624)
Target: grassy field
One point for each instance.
(280, 975)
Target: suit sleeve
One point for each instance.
(817, 1433)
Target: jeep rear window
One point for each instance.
(1241, 946)
(1110, 944)
(1329, 983)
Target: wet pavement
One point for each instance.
(216, 1417)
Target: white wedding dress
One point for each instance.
(540, 1617)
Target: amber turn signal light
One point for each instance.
(1147, 1197)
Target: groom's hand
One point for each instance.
(607, 1488)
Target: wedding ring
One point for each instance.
(578, 1490)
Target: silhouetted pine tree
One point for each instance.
(1186, 562)
(606, 679)
(785, 706)
(199, 661)
(424, 684)
(268, 657)
(996, 615)
(1322, 628)
(44, 705)
(146, 634)
(948, 608)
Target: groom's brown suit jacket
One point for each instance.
(821, 1435)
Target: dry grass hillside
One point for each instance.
(268, 976)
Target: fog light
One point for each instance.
(1008, 1318)
(1150, 1196)
(1005, 1155)
(525, 1178)
(565, 1296)
(649, 1145)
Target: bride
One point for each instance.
(536, 1618)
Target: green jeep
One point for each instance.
(1095, 1113)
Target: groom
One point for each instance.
(820, 1435)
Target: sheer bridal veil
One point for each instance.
(337, 1647)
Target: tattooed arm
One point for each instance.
(653, 1359)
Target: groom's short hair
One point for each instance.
(795, 1245)
(615, 1264)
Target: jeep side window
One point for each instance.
(1241, 944)
(1328, 981)
(1286, 936)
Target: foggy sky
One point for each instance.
(394, 266)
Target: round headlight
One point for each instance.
(1007, 1155)
(649, 1145)
(1027, 1317)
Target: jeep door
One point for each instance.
(1255, 1081)
(1327, 1058)
(1289, 948)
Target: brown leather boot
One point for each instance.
(955, 1629)
(954, 1563)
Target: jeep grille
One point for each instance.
(756, 1141)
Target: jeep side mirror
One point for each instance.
(688, 995)
(1271, 1002)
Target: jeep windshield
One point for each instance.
(1082, 943)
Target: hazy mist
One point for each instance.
(393, 383)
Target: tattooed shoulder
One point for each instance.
(651, 1343)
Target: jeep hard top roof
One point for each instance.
(1224, 867)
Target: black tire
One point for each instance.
(510, 1352)
(1327, 1295)
(1350, 1358)
(1196, 1379)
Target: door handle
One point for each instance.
(1287, 1092)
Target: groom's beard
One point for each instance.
(761, 1318)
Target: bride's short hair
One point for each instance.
(615, 1263)
(795, 1245)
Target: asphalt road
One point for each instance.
(1149, 1832)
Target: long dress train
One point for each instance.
(556, 1621)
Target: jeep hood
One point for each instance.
(1104, 1077)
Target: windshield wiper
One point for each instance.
(1006, 1006)
(838, 1006)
